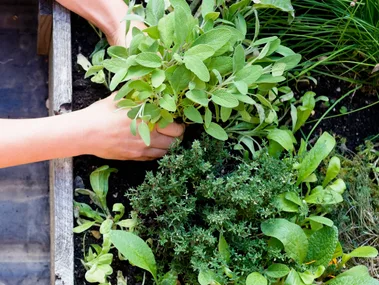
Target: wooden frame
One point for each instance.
(61, 170)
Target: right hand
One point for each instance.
(110, 137)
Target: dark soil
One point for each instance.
(130, 173)
(354, 127)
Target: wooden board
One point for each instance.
(61, 177)
(45, 24)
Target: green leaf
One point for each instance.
(268, 78)
(322, 245)
(278, 68)
(207, 277)
(118, 52)
(281, 137)
(223, 248)
(167, 102)
(357, 275)
(315, 156)
(306, 109)
(106, 226)
(323, 197)
(320, 220)
(225, 113)
(308, 276)
(170, 278)
(225, 99)
(337, 186)
(249, 74)
(153, 32)
(166, 28)
(198, 96)
(223, 64)
(98, 57)
(154, 11)
(134, 249)
(207, 118)
(193, 114)
(99, 183)
(137, 71)
(290, 61)
(256, 278)
(200, 51)
(207, 6)
(180, 78)
(197, 67)
(241, 25)
(98, 273)
(293, 279)
(157, 78)
(184, 23)
(181, 4)
(334, 168)
(140, 85)
(241, 87)
(99, 77)
(283, 5)
(93, 70)
(285, 205)
(117, 78)
(149, 59)
(144, 132)
(216, 38)
(238, 58)
(116, 64)
(83, 227)
(245, 99)
(364, 251)
(216, 131)
(133, 127)
(277, 270)
(292, 237)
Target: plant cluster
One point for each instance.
(204, 71)
(215, 219)
(110, 227)
(336, 38)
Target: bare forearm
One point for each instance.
(107, 15)
(30, 140)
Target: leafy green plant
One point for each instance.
(98, 259)
(336, 38)
(202, 70)
(211, 210)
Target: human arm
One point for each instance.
(107, 15)
(98, 130)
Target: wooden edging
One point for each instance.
(61, 171)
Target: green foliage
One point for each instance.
(336, 38)
(209, 210)
(203, 71)
(98, 259)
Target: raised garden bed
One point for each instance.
(68, 174)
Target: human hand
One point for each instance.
(119, 37)
(109, 134)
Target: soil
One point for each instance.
(355, 128)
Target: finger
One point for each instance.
(161, 141)
(172, 130)
(154, 152)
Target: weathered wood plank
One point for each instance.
(61, 180)
(45, 24)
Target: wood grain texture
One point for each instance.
(45, 24)
(61, 177)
